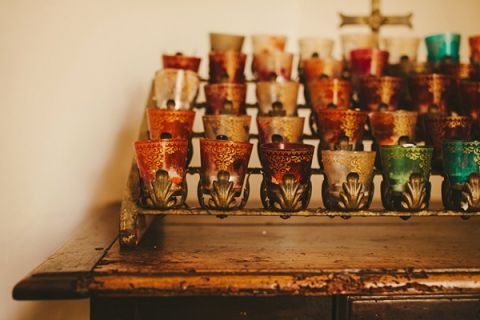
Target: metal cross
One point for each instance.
(376, 20)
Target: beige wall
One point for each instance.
(74, 76)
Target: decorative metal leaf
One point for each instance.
(352, 196)
(159, 192)
(222, 195)
(287, 196)
(471, 193)
(414, 197)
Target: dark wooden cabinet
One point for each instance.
(192, 267)
(410, 307)
(213, 308)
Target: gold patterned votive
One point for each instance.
(179, 61)
(375, 92)
(427, 90)
(348, 179)
(287, 129)
(406, 173)
(316, 68)
(273, 66)
(176, 89)
(227, 66)
(269, 92)
(221, 155)
(262, 43)
(330, 91)
(162, 165)
(445, 127)
(389, 126)
(176, 123)
(231, 127)
(223, 98)
(334, 124)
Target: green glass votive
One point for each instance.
(443, 45)
(461, 171)
(406, 174)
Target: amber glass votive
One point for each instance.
(226, 98)
(366, 62)
(179, 61)
(316, 69)
(162, 165)
(178, 124)
(270, 93)
(334, 124)
(474, 43)
(470, 99)
(388, 127)
(262, 43)
(273, 66)
(223, 168)
(427, 90)
(286, 184)
(285, 129)
(445, 127)
(379, 91)
(228, 66)
(330, 91)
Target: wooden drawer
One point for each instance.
(408, 308)
(212, 308)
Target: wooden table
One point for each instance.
(269, 268)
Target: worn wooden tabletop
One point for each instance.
(256, 256)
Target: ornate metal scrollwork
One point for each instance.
(288, 196)
(471, 193)
(352, 197)
(414, 198)
(222, 194)
(160, 194)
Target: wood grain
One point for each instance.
(267, 256)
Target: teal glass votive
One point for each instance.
(443, 46)
(406, 175)
(461, 175)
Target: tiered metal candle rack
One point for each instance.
(134, 220)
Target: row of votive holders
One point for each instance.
(180, 88)
(270, 58)
(328, 124)
(286, 169)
